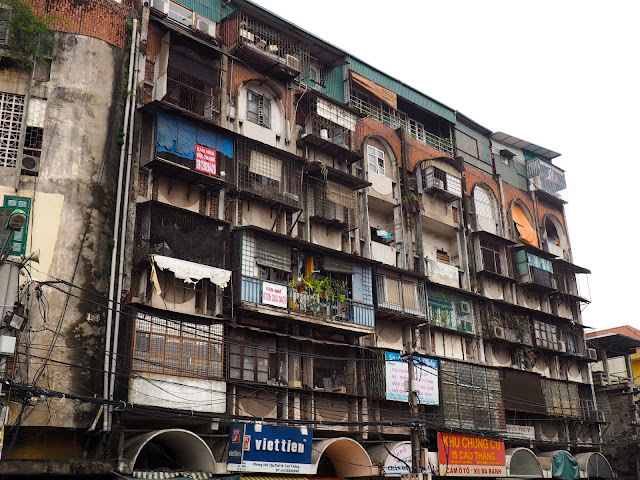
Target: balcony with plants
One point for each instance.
(450, 311)
(294, 279)
(510, 327)
(263, 45)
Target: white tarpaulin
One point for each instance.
(193, 272)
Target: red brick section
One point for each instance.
(511, 193)
(367, 127)
(102, 19)
(475, 176)
(623, 330)
(242, 75)
(418, 151)
(154, 42)
(544, 209)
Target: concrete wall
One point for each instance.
(72, 214)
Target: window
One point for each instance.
(258, 109)
(443, 257)
(490, 252)
(375, 157)
(546, 335)
(177, 348)
(11, 115)
(180, 14)
(251, 360)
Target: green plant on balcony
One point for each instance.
(520, 325)
(525, 357)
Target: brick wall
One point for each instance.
(475, 176)
(102, 19)
(241, 75)
(544, 209)
(418, 151)
(367, 127)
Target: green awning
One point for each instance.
(564, 466)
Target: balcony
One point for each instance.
(451, 312)
(443, 273)
(401, 294)
(170, 231)
(546, 178)
(264, 47)
(331, 204)
(444, 184)
(268, 175)
(535, 271)
(492, 256)
(328, 127)
(297, 304)
(396, 119)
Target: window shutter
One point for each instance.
(18, 244)
(270, 254)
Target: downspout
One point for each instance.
(123, 233)
(116, 228)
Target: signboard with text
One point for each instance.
(470, 456)
(206, 160)
(269, 449)
(274, 294)
(397, 373)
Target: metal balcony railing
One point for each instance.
(545, 176)
(392, 119)
(400, 294)
(305, 303)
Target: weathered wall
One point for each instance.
(71, 222)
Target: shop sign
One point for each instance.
(470, 456)
(274, 294)
(206, 160)
(521, 431)
(269, 449)
(397, 374)
(398, 462)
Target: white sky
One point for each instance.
(564, 75)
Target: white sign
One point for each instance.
(274, 294)
(521, 431)
(397, 373)
(398, 461)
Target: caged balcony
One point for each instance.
(331, 204)
(534, 271)
(401, 294)
(546, 178)
(169, 231)
(264, 47)
(268, 175)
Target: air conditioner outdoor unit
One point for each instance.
(290, 196)
(293, 62)
(438, 183)
(497, 331)
(562, 346)
(30, 165)
(161, 5)
(205, 27)
(464, 307)
(592, 354)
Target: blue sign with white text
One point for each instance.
(266, 448)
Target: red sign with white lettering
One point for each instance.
(206, 160)
(470, 456)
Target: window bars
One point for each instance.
(331, 203)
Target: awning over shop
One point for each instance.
(562, 465)
(192, 272)
(349, 458)
(523, 463)
(594, 464)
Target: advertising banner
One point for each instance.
(270, 449)
(206, 160)
(470, 456)
(397, 373)
(274, 294)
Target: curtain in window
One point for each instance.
(271, 254)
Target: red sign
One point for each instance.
(206, 160)
(235, 436)
(470, 456)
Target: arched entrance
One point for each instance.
(341, 457)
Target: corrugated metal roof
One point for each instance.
(402, 89)
(516, 142)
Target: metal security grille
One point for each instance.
(178, 348)
(174, 232)
(193, 82)
(11, 116)
(400, 293)
(491, 256)
(267, 174)
(326, 120)
(331, 203)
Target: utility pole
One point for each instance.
(416, 454)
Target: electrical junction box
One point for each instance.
(7, 345)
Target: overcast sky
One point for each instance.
(562, 74)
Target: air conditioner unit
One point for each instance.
(562, 346)
(293, 62)
(437, 183)
(497, 331)
(592, 353)
(30, 165)
(160, 5)
(247, 34)
(205, 27)
(290, 196)
(464, 307)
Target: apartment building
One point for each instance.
(316, 269)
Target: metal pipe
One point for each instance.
(116, 228)
(123, 233)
